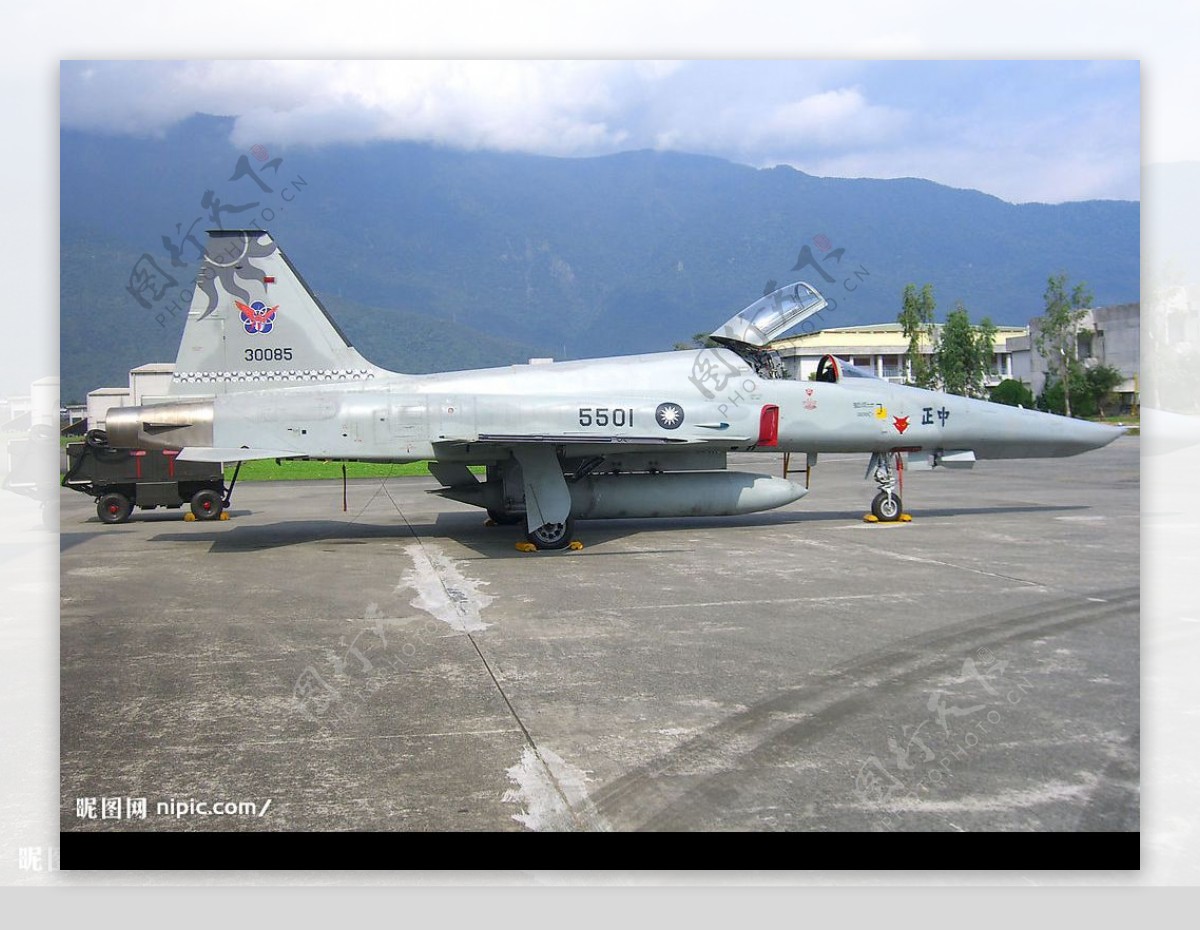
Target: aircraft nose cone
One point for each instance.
(1084, 435)
(1015, 433)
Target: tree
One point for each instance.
(1013, 393)
(1053, 398)
(1056, 338)
(964, 353)
(985, 348)
(699, 341)
(1090, 394)
(916, 319)
(1099, 383)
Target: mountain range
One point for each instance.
(432, 258)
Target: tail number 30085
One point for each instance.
(269, 355)
(606, 416)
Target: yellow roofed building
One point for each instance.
(881, 349)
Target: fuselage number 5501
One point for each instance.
(606, 416)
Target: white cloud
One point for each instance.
(1023, 131)
(561, 108)
(764, 131)
(835, 118)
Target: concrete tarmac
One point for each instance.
(402, 667)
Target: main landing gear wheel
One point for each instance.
(505, 518)
(207, 504)
(113, 508)
(886, 507)
(552, 535)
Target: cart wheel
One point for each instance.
(113, 507)
(207, 504)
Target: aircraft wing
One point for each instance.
(576, 439)
(203, 454)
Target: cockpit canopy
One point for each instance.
(771, 316)
(832, 369)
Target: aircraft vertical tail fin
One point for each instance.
(254, 323)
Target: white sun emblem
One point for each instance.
(669, 416)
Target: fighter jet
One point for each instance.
(264, 372)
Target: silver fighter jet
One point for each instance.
(264, 373)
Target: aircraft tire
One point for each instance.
(886, 507)
(207, 504)
(113, 507)
(504, 517)
(552, 535)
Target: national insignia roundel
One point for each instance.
(669, 416)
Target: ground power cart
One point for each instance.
(121, 479)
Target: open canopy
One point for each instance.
(771, 316)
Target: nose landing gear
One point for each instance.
(887, 506)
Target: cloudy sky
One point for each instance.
(1024, 131)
